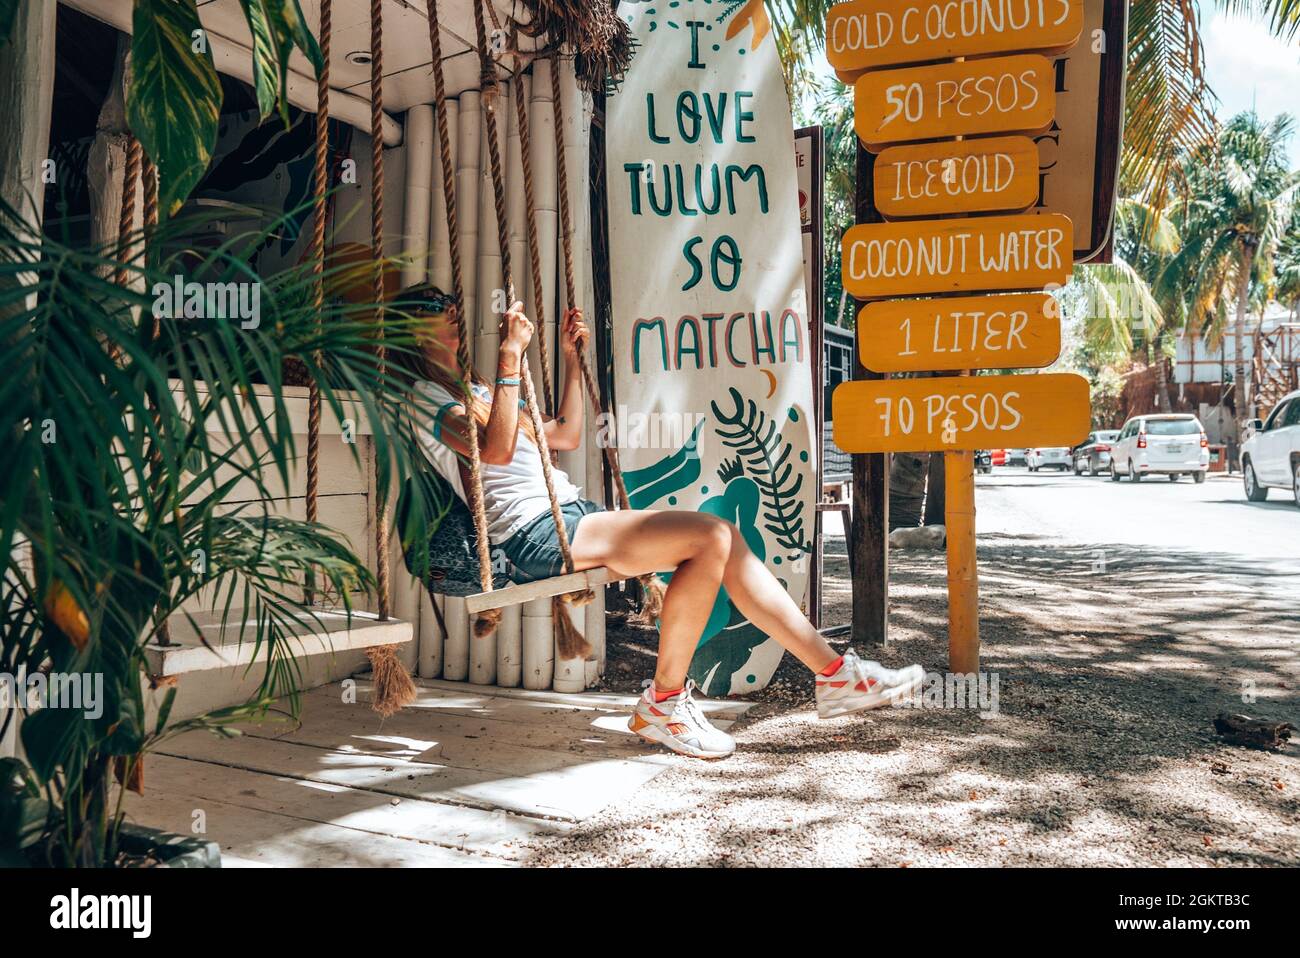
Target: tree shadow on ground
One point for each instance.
(1111, 664)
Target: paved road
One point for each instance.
(1118, 620)
(1213, 518)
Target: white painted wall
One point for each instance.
(27, 78)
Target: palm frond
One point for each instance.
(1282, 16)
(1167, 110)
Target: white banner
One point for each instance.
(712, 352)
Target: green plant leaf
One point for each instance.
(174, 99)
(269, 71)
(8, 14)
(53, 739)
(23, 812)
(287, 18)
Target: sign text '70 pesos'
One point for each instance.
(960, 413)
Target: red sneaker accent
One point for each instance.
(662, 696)
(865, 686)
(833, 667)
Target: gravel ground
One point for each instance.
(1100, 752)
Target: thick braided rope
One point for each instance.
(593, 394)
(534, 254)
(320, 186)
(126, 218)
(149, 189)
(651, 586)
(488, 80)
(319, 212)
(462, 337)
(377, 258)
(149, 177)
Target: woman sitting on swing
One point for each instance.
(706, 551)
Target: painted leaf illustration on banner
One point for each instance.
(712, 369)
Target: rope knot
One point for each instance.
(579, 598)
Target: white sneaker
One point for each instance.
(859, 685)
(678, 723)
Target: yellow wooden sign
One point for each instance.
(977, 254)
(967, 176)
(1017, 330)
(999, 95)
(959, 413)
(869, 34)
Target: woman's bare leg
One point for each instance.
(760, 599)
(707, 552)
(639, 541)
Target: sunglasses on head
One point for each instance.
(430, 299)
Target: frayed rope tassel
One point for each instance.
(393, 686)
(486, 622)
(652, 600)
(569, 642)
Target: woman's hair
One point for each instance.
(431, 303)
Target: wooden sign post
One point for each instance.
(949, 252)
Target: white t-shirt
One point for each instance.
(514, 494)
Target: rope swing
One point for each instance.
(486, 621)
(652, 589)
(569, 642)
(393, 687)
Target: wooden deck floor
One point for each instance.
(461, 777)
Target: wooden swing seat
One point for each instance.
(540, 589)
(203, 641)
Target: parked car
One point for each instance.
(1093, 454)
(1017, 457)
(983, 461)
(1048, 457)
(1170, 445)
(1270, 456)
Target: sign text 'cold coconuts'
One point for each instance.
(973, 97)
(961, 413)
(870, 34)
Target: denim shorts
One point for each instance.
(534, 550)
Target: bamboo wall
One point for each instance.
(521, 653)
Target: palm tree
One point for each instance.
(1286, 267)
(1239, 197)
(832, 107)
(138, 477)
(1167, 105)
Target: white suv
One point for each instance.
(1168, 445)
(1270, 456)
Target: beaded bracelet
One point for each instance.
(504, 381)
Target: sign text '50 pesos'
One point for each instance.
(868, 34)
(960, 413)
(1026, 251)
(1001, 95)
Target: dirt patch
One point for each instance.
(1101, 749)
